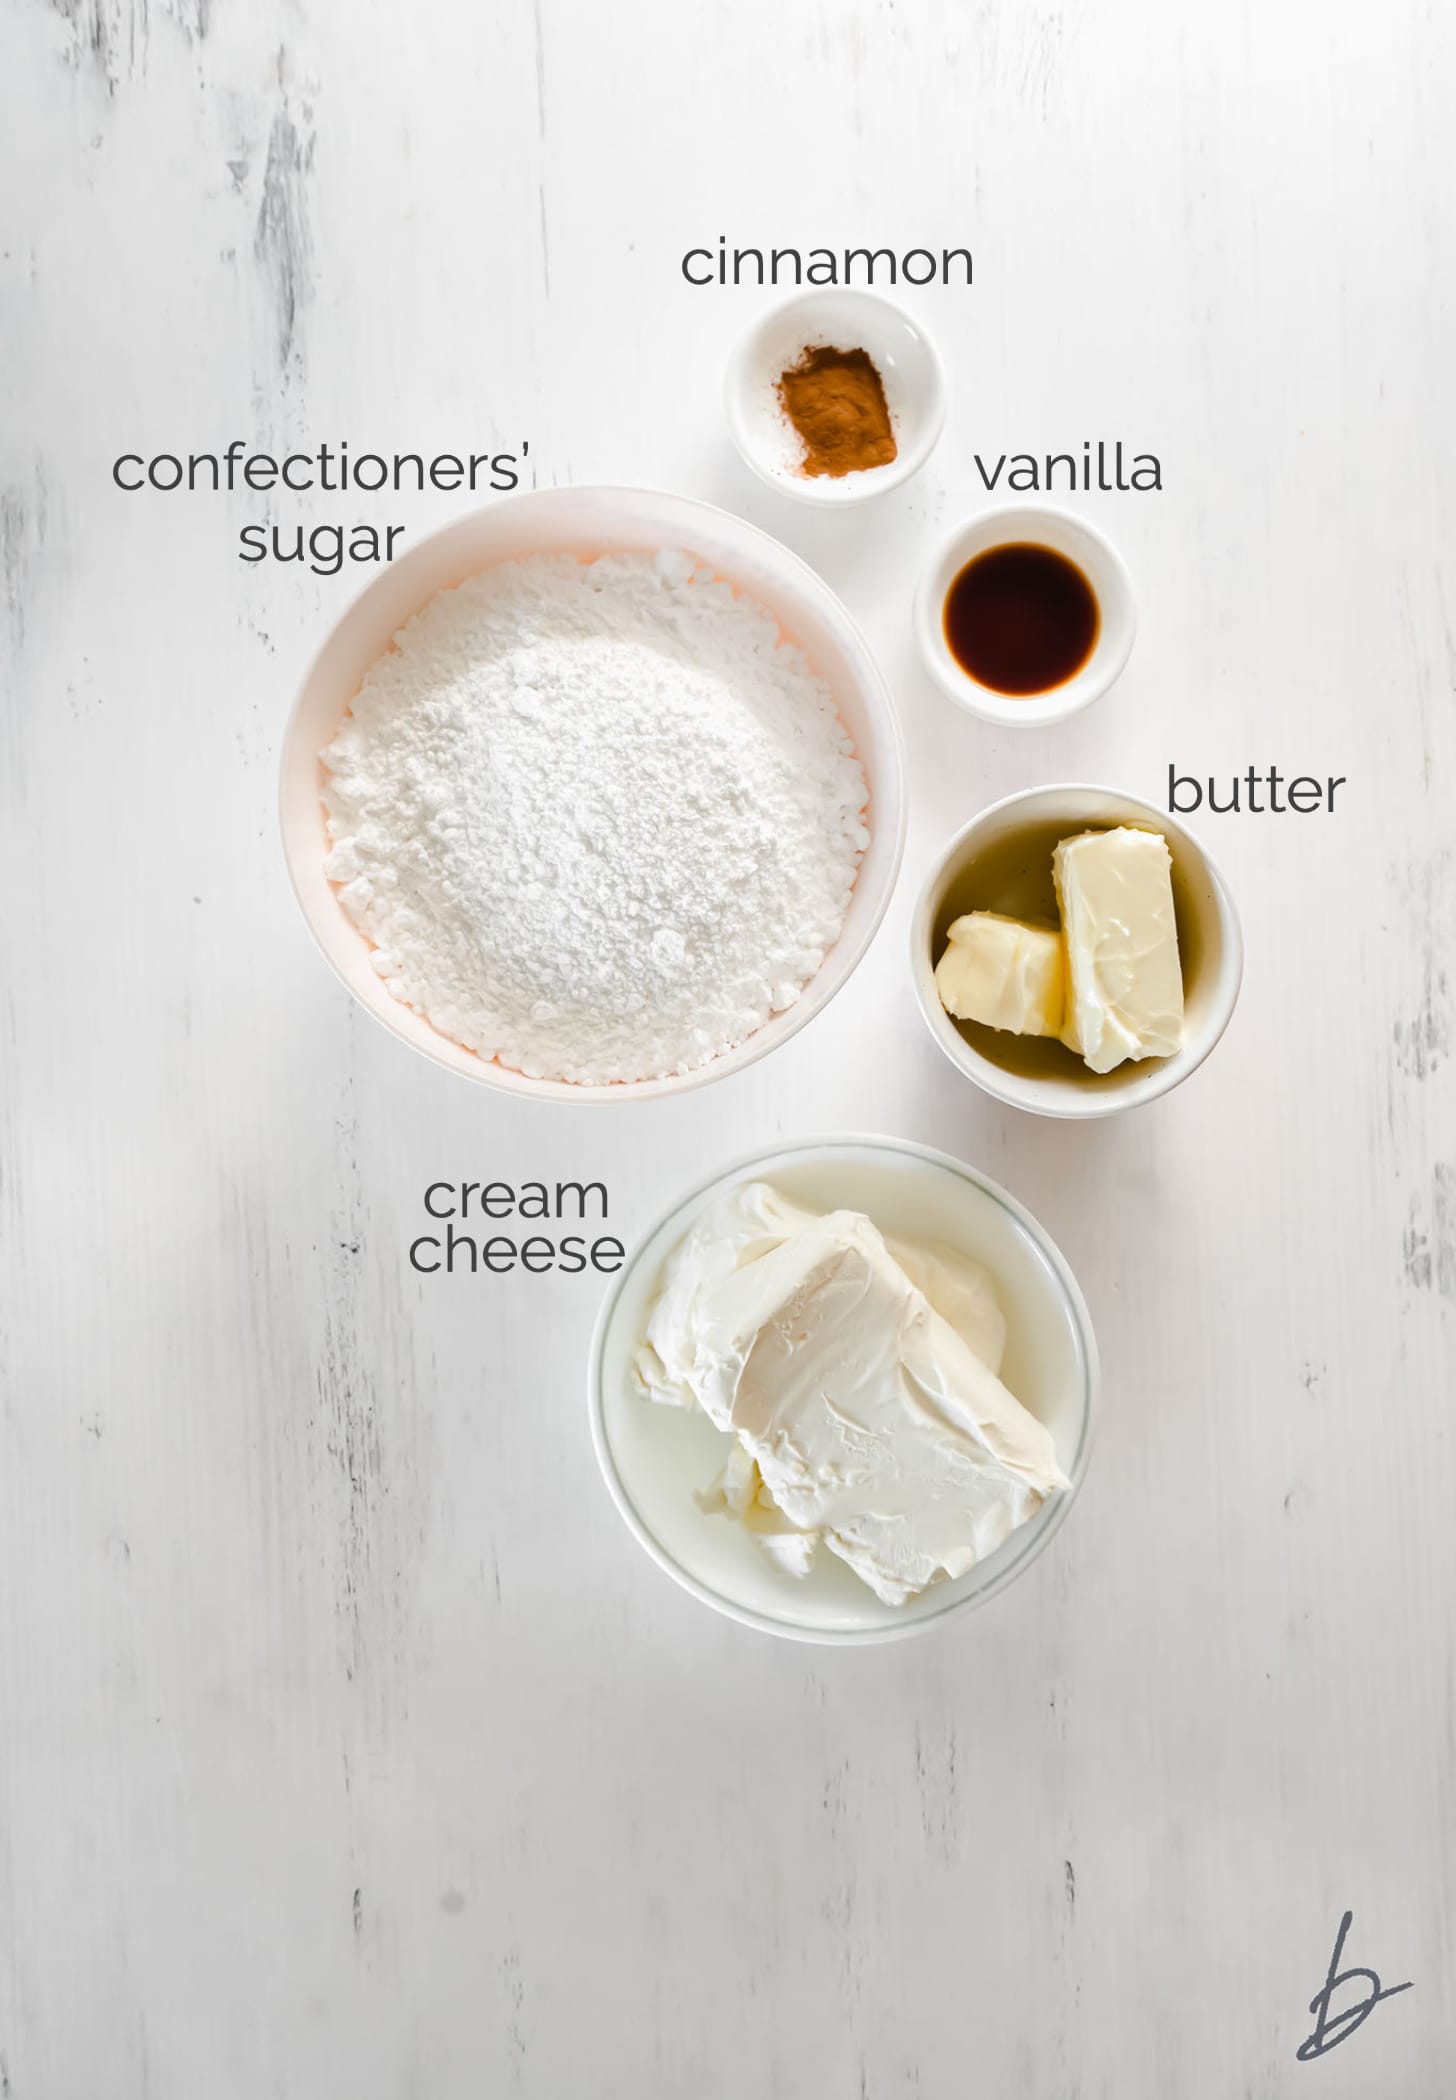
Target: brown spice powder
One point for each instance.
(835, 400)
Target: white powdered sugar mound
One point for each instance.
(597, 819)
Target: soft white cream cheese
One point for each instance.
(1125, 982)
(868, 1418)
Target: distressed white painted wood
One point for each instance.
(348, 1744)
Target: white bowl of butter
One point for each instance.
(664, 1463)
(995, 880)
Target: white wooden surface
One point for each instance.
(348, 1744)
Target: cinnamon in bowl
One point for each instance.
(835, 400)
(835, 397)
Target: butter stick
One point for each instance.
(1125, 982)
(1004, 974)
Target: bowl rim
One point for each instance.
(1008, 710)
(955, 1605)
(888, 802)
(1030, 1094)
(875, 481)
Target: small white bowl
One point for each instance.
(1066, 534)
(588, 522)
(914, 381)
(653, 1458)
(1209, 940)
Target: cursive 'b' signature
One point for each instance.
(1332, 2029)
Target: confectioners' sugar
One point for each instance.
(596, 818)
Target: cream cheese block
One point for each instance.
(1003, 973)
(864, 1420)
(1125, 982)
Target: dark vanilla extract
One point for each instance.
(1021, 618)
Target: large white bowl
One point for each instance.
(591, 521)
(653, 1458)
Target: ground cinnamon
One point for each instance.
(835, 400)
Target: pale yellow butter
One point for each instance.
(1125, 982)
(1004, 974)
